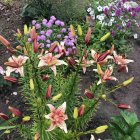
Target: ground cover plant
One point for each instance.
(48, 68)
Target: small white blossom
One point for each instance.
(100, 8)
(89, 9)
(135, 36)
(14, 93)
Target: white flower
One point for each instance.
(135, 36)
(100, 8)
(92, 137)
(89, 9)
(2, 71)
(130, 4)
(123, 23)
(14, 93)
(92, 13)
(101, 17)
(112, 19)
(110, 23)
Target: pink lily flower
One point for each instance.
(85, 63)
(122, 62)
(2, 71)
(52, 61)
(57, 117)
(16, 64)
(105, 76)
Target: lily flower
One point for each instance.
(57, 117)
(16, 64)
(85, 63)
(51, 61)
(2, 71)
(105, 76)
(122, 62)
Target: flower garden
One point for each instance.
(65, 71)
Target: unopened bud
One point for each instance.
(75, 113)
(129, 81)
(10, 79)
(15, 111)
(49, 92)
(4, 116)
(81, 111)
(55, 98)
(105, 37)
(89, 94)
(37, 136)
(53, 46)
(31, 84)
(71, 61)
(7, 132)
(72, 31)
(45, 77)
(26, 119)
(80, 32)
(124, 106)
(104, 96)
(101, 129)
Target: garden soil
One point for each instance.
(10, 20)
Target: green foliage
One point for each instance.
(125, 126)
(64, 9)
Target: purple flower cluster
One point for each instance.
(53, 30)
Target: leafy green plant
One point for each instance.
(63, 9)
(125, 126)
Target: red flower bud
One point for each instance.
(11, 79)
(86, 54)
(88, 36)
(52, 48)
(45, 78)
(33, 34)
(122, 68)
(71, 61)
(7, 44)
(36, 46)
(88, 94)
(37, 136)
(15, 111)
(4, 116)
(49, 92)
(124, 106)
(103, 56)
(81, 111)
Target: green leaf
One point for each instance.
(7, 127)
(136, 131)
(130, 118)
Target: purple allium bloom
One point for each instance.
(137, 9)
(73, 47)
(67, 53)
(53, 18)
(42, 32)
(49, 32)
(133, 14)
(33, 22)
(49, 24)
(62, 24)
(59, 36)
(69, 50)
(38, 26)
(58, 22)
(129, 24)
(66, 37)
(118, 12)
(38, 38)
(63, 30)
(29, 40)
(51, 21)
(48, 41)
(44, 20)
(48, 45)
(42, 37)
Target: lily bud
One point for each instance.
(18, 34)
(10, 79)
(75, 113)
(105, 37)
(55, 98)
(25, 29)
(15, 111)
(101, 129)
(33, 34)
(26, 119)
(72, 31)
(86, 54)
(7, 132)
(103, 56)
(52, 48)
(81, 111)
(88, 94)
(31, 84)
(71, 61)
(99, 70)
(88, 36)
(37, 136)
(104, 97)
(45, 78)
(19, 47)
(80, 32)
(124, 106)
(7, 44)
(129, 81)
(4, 116)
(49, 92)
